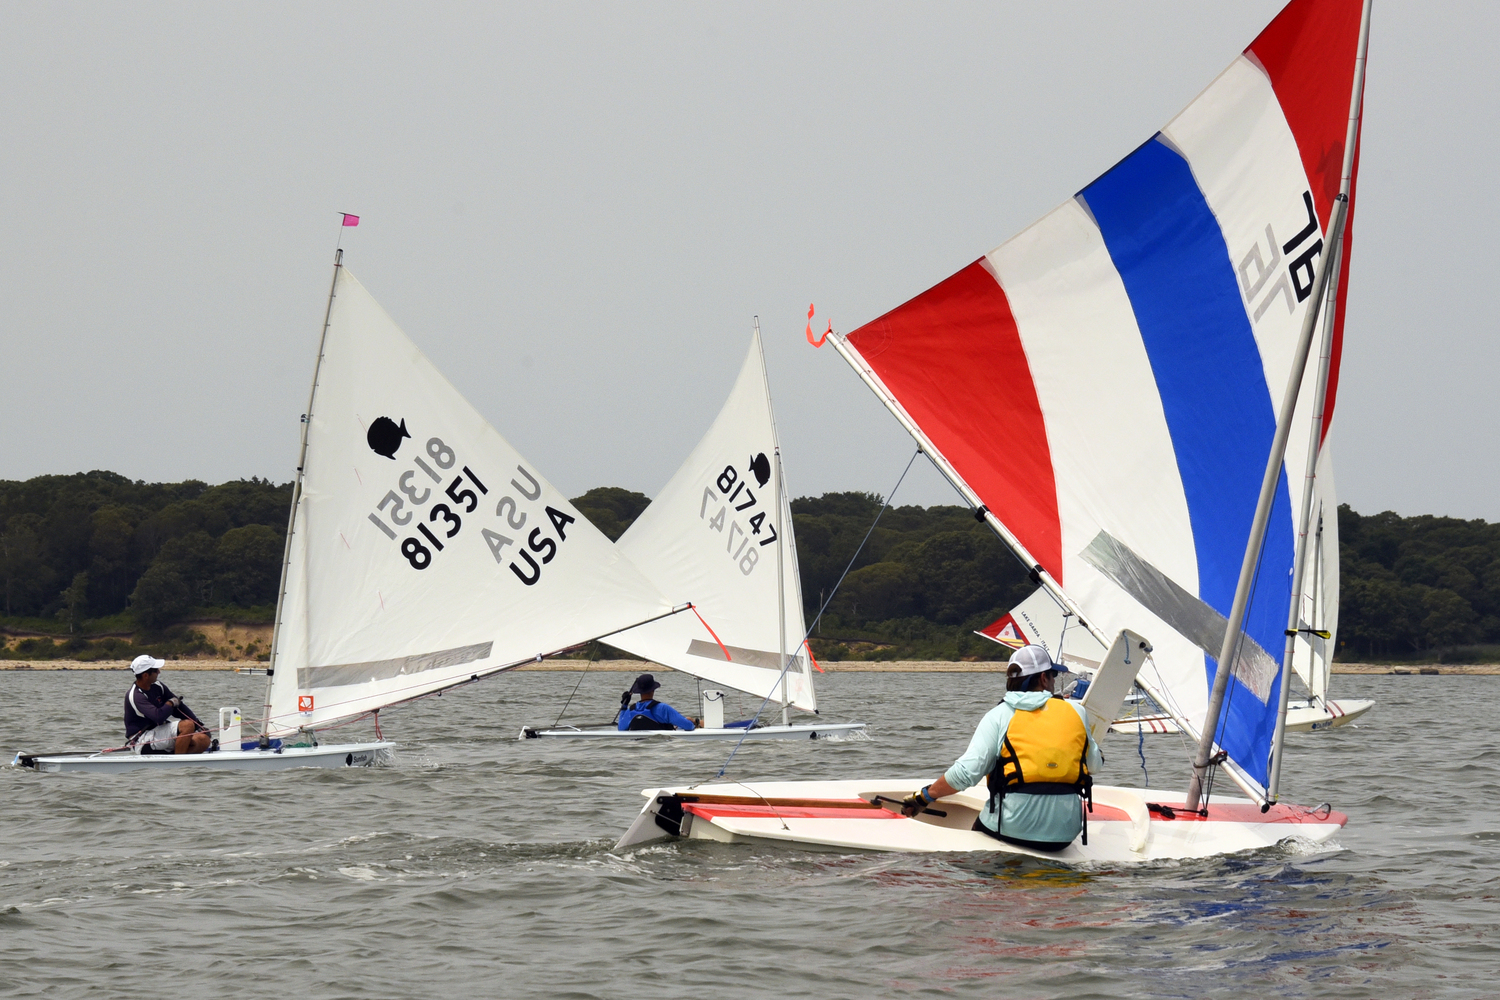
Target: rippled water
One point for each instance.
(477, 865)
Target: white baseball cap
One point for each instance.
(1032, 659)
(146, 662)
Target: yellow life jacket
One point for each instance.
(1044, 752)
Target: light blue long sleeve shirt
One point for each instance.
(1044, 818)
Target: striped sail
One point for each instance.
(1107, 382)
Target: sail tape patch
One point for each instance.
(1197, 621)
(344, 674)
(742, 657)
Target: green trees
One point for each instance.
(611, 508)
(1414, 584)
(97, 544)
(94, 545)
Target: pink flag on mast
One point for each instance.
(350, 220)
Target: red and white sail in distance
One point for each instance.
(1107, 382)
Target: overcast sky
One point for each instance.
(575, 211)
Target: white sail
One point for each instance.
(1312, 655)
(712, 535)
(425, 550)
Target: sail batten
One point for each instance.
(1116, 370)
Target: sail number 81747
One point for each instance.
(735, 494)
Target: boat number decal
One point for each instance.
(1298, 276)
(735, 492)
(429, 535)
(513, 516)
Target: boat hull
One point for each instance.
(1299, 718)
(1127, 824)
(112, 762)
(798, 732)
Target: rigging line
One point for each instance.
(1140, 748)
(586, 664)
(787, 662)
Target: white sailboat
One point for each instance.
(721, 530)
(1115, 391)
(423, 552)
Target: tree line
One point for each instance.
(96, 553)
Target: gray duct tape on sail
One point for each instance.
(740, 655)
(343, 674)
(1192, 618)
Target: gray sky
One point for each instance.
(575, 210)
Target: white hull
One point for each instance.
(329, 755)
(1303, 718)
(847, 815)
(798, 732)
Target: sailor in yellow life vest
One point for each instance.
(1036, 751)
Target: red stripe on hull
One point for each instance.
(953, 358)
(710, 811)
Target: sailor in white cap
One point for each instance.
(1035, 750)
(156, 720)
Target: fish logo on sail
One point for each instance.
(385, 436)
(761, 466)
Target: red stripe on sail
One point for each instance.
(1338, 318)
(1308, 51)
(953, 358)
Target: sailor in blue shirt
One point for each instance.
(648, 713)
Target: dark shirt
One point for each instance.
(148, 709)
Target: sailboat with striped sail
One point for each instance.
(1116, 392)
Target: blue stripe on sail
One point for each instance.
(1171, 255)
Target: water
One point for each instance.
(482, 866)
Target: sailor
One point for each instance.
(1036, 751)
(648, 713)
(156, 720)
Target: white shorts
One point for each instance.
(162, 738)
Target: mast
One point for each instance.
(1232, 634)
(291, 522)
(1304, 520)
(780, 532)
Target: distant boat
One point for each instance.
(721, 530)
(423, 552)
(1041, 619)
(1114, 391)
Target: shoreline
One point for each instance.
(832, 667)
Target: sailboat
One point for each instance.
(1042, 620)
(721, 530)
(1116, 393)
(423, 552)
